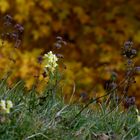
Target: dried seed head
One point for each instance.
(133, 51)
(44, 74)
(128, 51)
(40, 59)
(59, 38)
(137, 69)
(59, 55)
(60, 42)
(17, 43)
(8, 20)
(128, 45)
(19, 28)
(14, 32)
(58, 45)
(129, 101)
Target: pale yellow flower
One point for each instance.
(7, 110)
(3, 104)
(50, 61)
(9, 104)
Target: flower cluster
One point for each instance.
(128, 51)
(129, 101)
(5, 106)
(50, 61)
(12, 31)
(60, 42)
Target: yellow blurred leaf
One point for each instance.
(137, 37)
(4, 6)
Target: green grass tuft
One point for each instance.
(49, 118)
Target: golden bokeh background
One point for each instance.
(95, 31)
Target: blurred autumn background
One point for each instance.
(95, 31)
